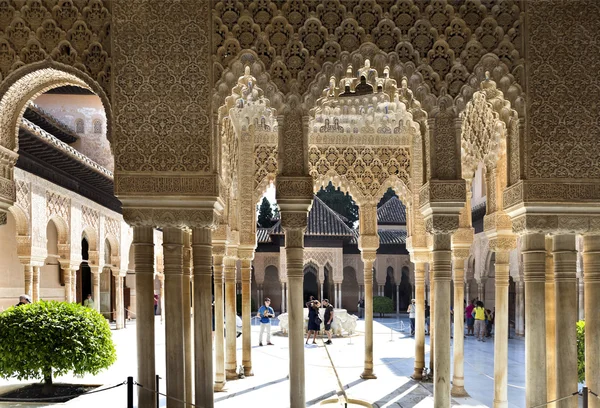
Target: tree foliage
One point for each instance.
(382, 305)
(342, 203)
(46, 339)
(238, 304)
(388, 194)
(581, 351)
(265, 214)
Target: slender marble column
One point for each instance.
(481, 290)
(431, 316)
(246, 314)
(219, 312)
(203, 355)
(339, 295)
(419, 320)
(458, 378)
(550, 309)
(175, 343)
(442, 265)
(581, 298)
(28, 275)
(144, 300)
(520, 308)
(119, 317)
(67, 277)
(397, 299)
(533, 248)
(74, 284)
(187, 317)
(96, 288)
(565, 281)
(501, 325)
(294, 248)
(35, 293)
(368, 260)
(591, 276)
(230, 313)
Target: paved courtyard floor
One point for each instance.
(393, 357)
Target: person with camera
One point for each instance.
(265, 313)
(314, 320)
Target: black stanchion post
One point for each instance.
(586, 394)
(129, 392)
(157, 391)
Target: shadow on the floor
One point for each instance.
(320, 398)
(402, 367)
(242, 392)
(408, 395)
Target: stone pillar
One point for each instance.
(321, 290)
(175, 351)
(96, 287)
(219, 311)
(339, 295)
(580, 297)
(533, 248)
(591, 276)
(161, 295)
(458, 378)
(294, 225)
(431, 315)
(519, 308)
(246, 257)
(230, 313)
(419, 320)
(119, 321)
(368, 257)
(360, 291)
(550, 309)
(35, 293)
(442, 267)
(565, 281)
(481, 290)
(187, 317)
(144, 301)
(74, 284)
(203, 355)
(397, 299)
(501, 246)
(282, 297)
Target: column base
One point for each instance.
(368, 375)
(500, 404)
(248, 371)
(220, 386)
(418, 374)
(458, 391)
(231, 375)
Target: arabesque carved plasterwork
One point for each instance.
(90, 217)
(58, 206)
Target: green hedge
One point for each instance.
(46, 339)
(382, 304)
(581, 351)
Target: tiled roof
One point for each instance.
(391, 237)
(322, 221)
(392, 212)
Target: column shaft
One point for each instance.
(28, 278)
(119, 302)
(73, 285)
(565, 280)
(294, 248)
(96, 289)
(520, 309)
(203, 356)
(246, 316)
(144, 301)
(431, 317)
(35, 293)
(175, 348)
(419, 320)
(533, 248)
(442, 265)
(501, 330)
(186, 295)
(67, 277)
(368, 260)
(230, 313)
(397, 299)
(458, 378)
(219, 313)
(550, 309)
(591, 276)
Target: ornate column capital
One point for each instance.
(246, 254)
(463, 238)
(441, 224)
(173, 217)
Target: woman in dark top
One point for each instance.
(314, 325)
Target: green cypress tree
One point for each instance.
(265, 214)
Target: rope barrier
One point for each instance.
(61, 397)
(556, 400)
(165, 395)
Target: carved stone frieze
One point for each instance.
(503, 243)
(206, 185)
(294, 220)
(178, 218)
(294, 187)
(441, 224)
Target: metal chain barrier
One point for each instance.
(43, 399)
(165, 395)
(556, 400)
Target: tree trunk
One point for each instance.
(47, 381)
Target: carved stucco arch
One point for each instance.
(91, 236)
(115, 258)
(21, 220)
(62, 229)
(32, 80)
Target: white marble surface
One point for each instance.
(343, 323)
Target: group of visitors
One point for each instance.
(480, 321)
(315, 321)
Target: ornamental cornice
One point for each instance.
(556, 224)
(558, 191)
(502, 243)
(366, 139)
(177, 218)
(294, 220)
(463, 238)
(496, 223)
(441, 224)
(289, 188)
(167, 184)
(443, 191)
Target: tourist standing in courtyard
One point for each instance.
(470, 319)
(411, 316)
(314, 320)
(265, 313)
(89, 302)
(479, 315)
(24, 300)
(361, 308)
(328, 319)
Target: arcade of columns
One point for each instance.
(182, 152)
